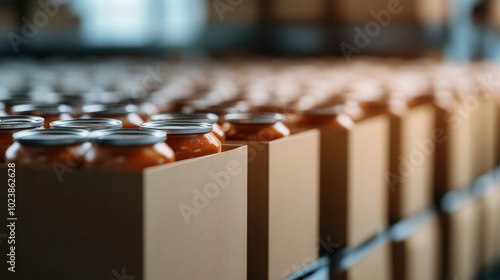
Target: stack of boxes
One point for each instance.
(400, 194)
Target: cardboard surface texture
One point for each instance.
(454, 159)
(354, 196)
(484, 134)
(283, 205)
(489, 205)
(411, 162)
(418, 256)
(185, 220)
(460, 239)
(376, 265)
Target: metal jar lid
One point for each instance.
(127, 137)
(109, 109)
(42, 109)
(20, 122)
(192, 117)
(254, 118)
(51, 137)
(179, 127)
(90, 124)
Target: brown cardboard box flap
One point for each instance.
(95, 223)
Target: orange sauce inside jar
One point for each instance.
(195, 118)
(188, 140)
(128, 149)
(50, 112)
(385, 106)
(331, 117)
(123, 112)
(11, 124)
(48, 146)
(255, 127)
(89, 124)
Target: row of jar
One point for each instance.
(104, 143)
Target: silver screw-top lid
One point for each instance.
(44, 109)
(90, 124)
(254, 118)
(179, 127)
(109, 109)
(127, 137)
(51, 137)
(20, 122)
(192, 117)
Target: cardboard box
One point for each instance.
(489, 207)
(484, 118)
(354, 191)
(363, 11)
(433, 12)
(375, 265)
(454, 159)
(460, 240)
(298, 11)
(412, 146)
(417, 256)
(234, 11)
(283, 205)
(497, 132)
(185, 220)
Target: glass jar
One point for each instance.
(188, 140)
(90, 124)
(223, 109)
(11, 124)
(145, 107)
(123, 112)
(331, 117)
(128, 149)
(50, 112)
(48, 146)
(196, 118)
(255, 126)
(10, 102)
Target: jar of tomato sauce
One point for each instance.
(124, 112)
(331, 117)
(255, 126)
(90, 124)
(10, 102)
(48, 146)
(128, 149)
(188, 140)
(50, 112)
(195, 118)
(11, 124)
(223, 109)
